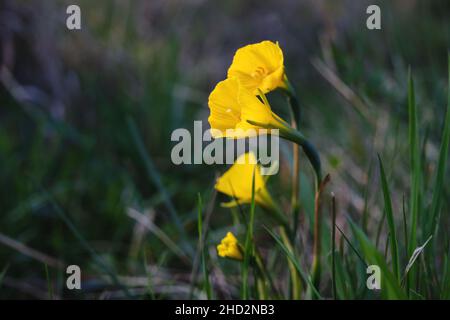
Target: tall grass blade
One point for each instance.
(294, 261)
(3, 273)
(445, 283)
(150, 290)
(96, 258)
(202, 240)
(390, 219)
(156, 179)
(390, 288)
(343, 282)
(49, 283)
(360, 257)
(414, 163)
(442, 166)
(248, 254)
(333, 245)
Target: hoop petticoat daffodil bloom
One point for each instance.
(259, 66)
(237, 113)
(229, 248)
(237, 183)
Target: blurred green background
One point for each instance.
(86, 118)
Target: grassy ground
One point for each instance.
(86, 176)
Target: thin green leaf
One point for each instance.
(352, 247)
(49, 283)
(3, 273)
(390, 287)
(414, 163)
(248, 254)
(202, 240)
(333, 245)
(294, 261)
(156, 179)
(390, 220)
(445, 282)
(99, 261)
(442, 165)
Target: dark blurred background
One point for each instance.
(71, 100)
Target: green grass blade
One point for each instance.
(3, 273)
(99, 261)
(442, 166)
(405, 233)
(49, 283)
(150, 290)
(414, 163)
(248, 254)
(156, 179)
(202, 240)
(390, 219)
(390, 288)
(445, 283)
(360, 257)
(333, 245)
(343, 282)
(405, 223)
(294, 261)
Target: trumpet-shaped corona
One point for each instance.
(259, 66)
(236, 113)
(237, 183)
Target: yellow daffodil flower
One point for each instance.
(237, 113)
(229, 248)
(237, 183)
(259, 66)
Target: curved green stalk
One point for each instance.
(295, 278)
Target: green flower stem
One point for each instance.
(275, 210)
(295, 122)
(295, 136)
(310, 151)
(288, 133)
(295, 277)
(316, 268)
(292, 100)
(313, 157)
(264, 279)
(285, 232)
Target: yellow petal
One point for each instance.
(237, 183)
(225, 111)
(229, 247)
(253, 109)
(259, 66)
(232, 106)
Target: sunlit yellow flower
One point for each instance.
(229, 247)
(237, 113)
(237, 183)
(259, 66)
